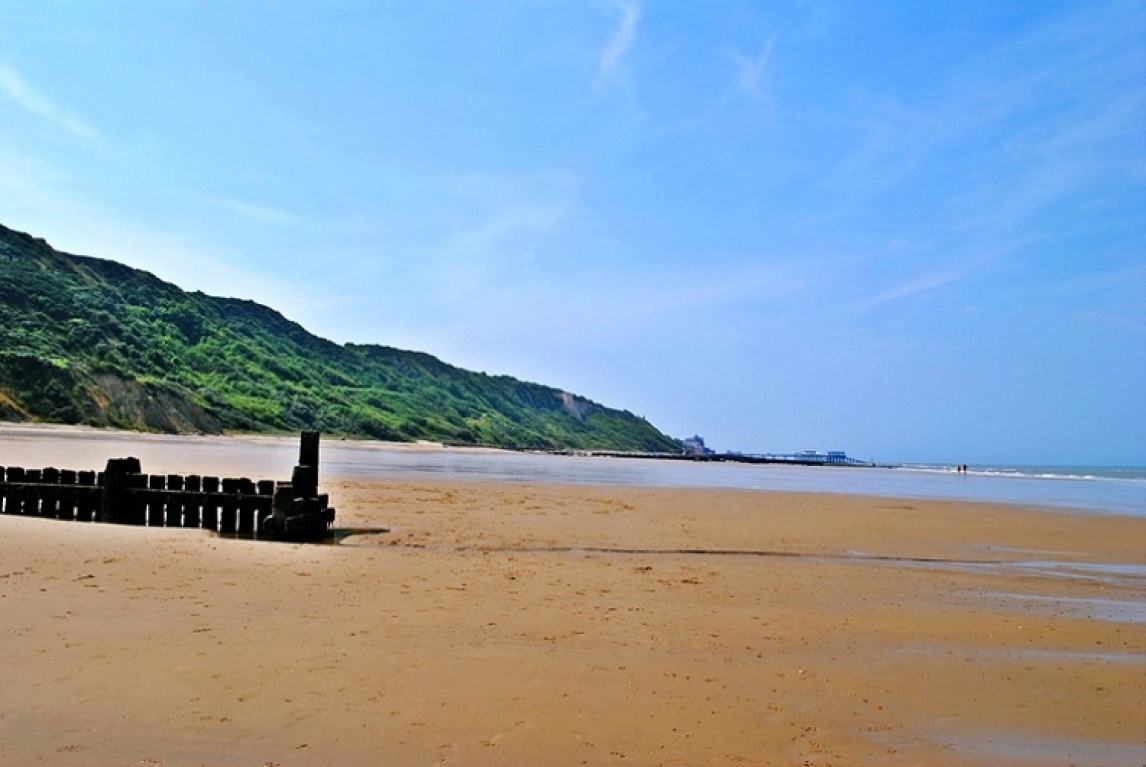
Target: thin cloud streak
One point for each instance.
(609, 62)
(919, 287)
(476, 260)
(1048, 159)
(752, 71)
(32, 101)
(901, 136)
(262, 214)
(931, 284)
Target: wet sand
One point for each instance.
(507, 624)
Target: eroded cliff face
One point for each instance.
(66, 395)
(11, 411)
(578, 407)
(129, 404)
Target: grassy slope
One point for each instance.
(84, 340)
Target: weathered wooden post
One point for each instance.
(304, 480)
(229, 517)
(32, 477)
(305, 477)
(192, 485)
(156, 482)
(67, 508)
(117, 506)
(265, 504)
(174, 515)
(308, 449)
(136, 500)
(16, 493)
(88, 504)
(210, 503)
(50, 493)
(247, 506)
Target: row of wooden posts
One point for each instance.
(122, 494)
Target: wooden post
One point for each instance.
(246, 506)
(192, 484)
(308, 449)
(154, 500)
(229, 516)
(174, 516)
(211, 503)
(304, 480)
(16, 496)
(116, 504)
(137, 501)
(32, 494)
(67, 508)
(88, 502)
(50, 493)
(248, 509)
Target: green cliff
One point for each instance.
(85, 340)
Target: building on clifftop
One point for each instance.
(694, 445)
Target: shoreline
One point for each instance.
(710, 626)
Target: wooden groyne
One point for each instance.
(123, 494)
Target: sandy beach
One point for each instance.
(512, 624)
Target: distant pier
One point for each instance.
(803, 458)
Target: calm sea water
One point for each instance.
(1119, 490)
(1112, 490)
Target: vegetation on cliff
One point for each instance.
(86, 340)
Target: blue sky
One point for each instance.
(912, 231)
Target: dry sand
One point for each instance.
(502, 624)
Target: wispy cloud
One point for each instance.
(261, 214)
(1085, 64)
(14, 87)
(477, 258)
(752, 70)
(625, 35)
(918, 287)
(937, 279)
(993, 165)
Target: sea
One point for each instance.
(1107, 489)
(1115, 490)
